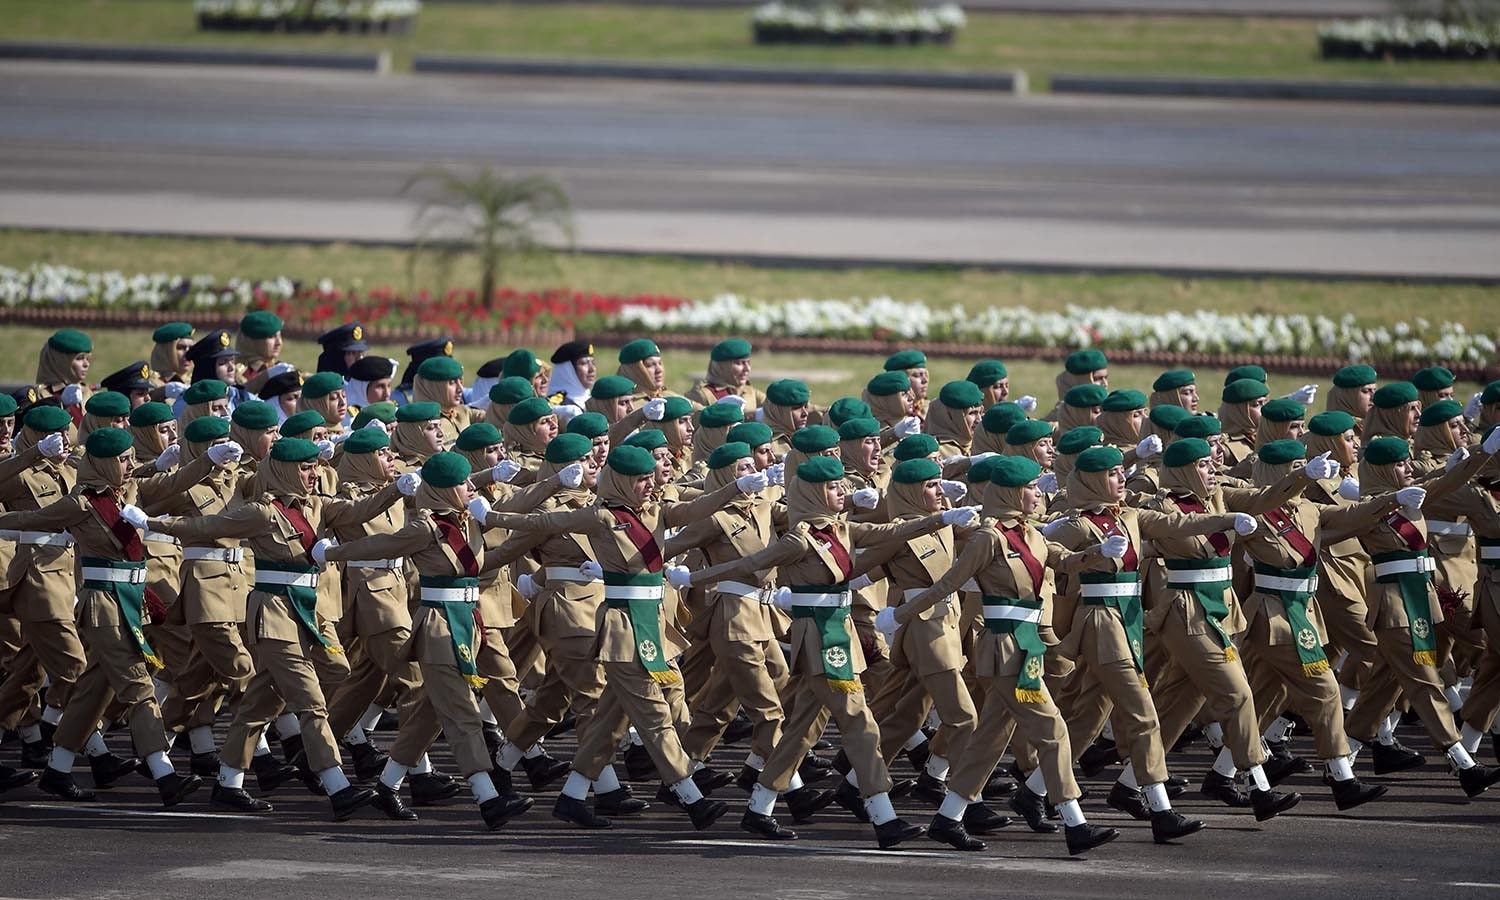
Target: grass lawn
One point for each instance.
(1042, 45)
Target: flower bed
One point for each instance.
(826, 23)
(394, 16)
(1406, 39)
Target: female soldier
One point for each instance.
(1395, 411)
(1239, 415)
(1353, 392)
(440, 380)
(728, 377)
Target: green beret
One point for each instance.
(1279, 453)
(477, 437)
(1082, 362)
(1076, 440)
(732, 348)
(846, 408)
(676, 408)
(1433, 378)
(446, 469)
(632, 460)
(887, 383)
(987, 372)
(1084, 396)
(859, 429)
(520, 364)
(730, 453)
(1172, 379)
(425, 411)
(1283, 409)
(294, 450)
(510, 391)
(8, 405)
(321, 384)
(1244, 390)
(637, 350)
(1441, 411)
(815, 438)
(303, 423)
(367, 440)
(47, 419)
(1186, 452)
(205, 391)
(172, 331)
(960, 395)
(916, 471)
(149, 414)
(108, 404)
(568, 448)
(1003, 416)
(1331, 424)
(1387, 451)
(916, 446)
(1396, 394)
(820, 469)
(1027, 431)
(529, 410)
(384, 411)
(1491, 393)
(1124, 400)
(646, 439)
(1167, 415)
(1100, 459)
(1354, 376)
(254, 414)
(1013, 471)
(107, 443)
(1254, 373)
(905, 359)
(979, 472)
(721, 415)
(612, 386)
(589, 424)
(205, 429)
(260, 324)
(788, 392)
(440, 368)
(752, 433)
(1201, 427)
(69, 341)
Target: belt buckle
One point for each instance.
(766, 596)
(137, 576)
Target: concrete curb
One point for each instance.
(1254, 89)
(198, 56)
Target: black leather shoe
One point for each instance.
(1390, 758)
(766, 827)
(430, 787)
(10, 779)
(368, 762)
(270, 774)
(638, 764)
(748, 777)
(1170, 825)
(501, 776)
(980, 819)
(704, 812)
(814, 770)
(291, 746)
(1349, 794)
(929, 790)
(236, 800)
(919, 755)
(821, 746)
(1085, 837)
(1475, 779)
(34, 754)
(1129, 801)
(349, 801)
(389, 801)
(739, 729)
(577, 812)
(897, 831)
(1097, 757)
(1280, 764)
(205, 765)
(951, 832)
(175, 788)
(306, 775)
(388, 721)
(804, 802)
(1033, 808)
(62, 786)
(998, 787)
(665, 795)
(1176, 785)
(496, 811)
(620, 802)
(840, 762)
(543, 771)
(1223, 789)
(108, 768)
(493, 739)
(847, 796)
(709, 780)
(568, 723)
(902, 786)
(1269, 804)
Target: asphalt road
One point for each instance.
(897, 174)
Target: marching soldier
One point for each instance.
(574, 372)
(728, 378)
(259, 343)
(342, 347)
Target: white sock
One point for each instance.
(1354, 748)
(1213, 733)
(1470, 738)
(1457, 753)
(755, 762)
(762, 800)
(333, 780)
(915, 741)
(201, 739)
(230, 777)
(371, 718)
(393, 775)
(158, 764)
(51, 715)
(535, 751)
(482, 787)
(687, 791)
(1455, 699)
(1224, 763)
(1258, 778)
(796, 783)
(508, 756)
(160, 689)
(485, 713)
(357, 736)
(635, 737)
(1340, 770)
(577, 786)
(953, 807)
(423, 766)
(1127, 776)
(1277, 730)
(31, 733)
(262, 747)
(287, 726)
(1109, 731)
(880, 809)
(607, 781)
(1387, 732)
(852, 778)
(1072, 814)
(1036, 783)
(1156, 797)
(95, 745)
(1348, 695)
(61, 760)
(934, 720)
(937, 767)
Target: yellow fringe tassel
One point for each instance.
(1314, 669)
(1230, 654)
(335, 648)
(476, 681)
(1144, 683)
(845, 687)
(1026, 696)
(154, 661)
(1425, 657)
(670, 676)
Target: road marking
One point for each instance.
(1478, 884)
(158, 813)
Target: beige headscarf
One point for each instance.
(91, 423)
(1345, 399)
(1120, 428)
(888, 409)
(904, 499)
(579, 496)
(164, 360)
(1374, 480)
(723, 476)
(778, 418)
(1184, 480)
(1318, 444)
(616, 489)
(1383, 422)
(1001, 502)
(949, 425)
(424, 391)
(54, 366)
(1089, 489)
(1435, 439)
(1070, 417)
(707, 440)
(1066, 381)
(523, 437)
(636, 372)
(1265, 474)
(246, 437)
(1267, 431)
(281, 479)
(102, 473)
(1172, 397)
(604, 407)
(148, 442)
(1235, 420)
(441, 500)
(255, 353)
(361, 468)
(193, 411)
(407, 441)
(721, 373)
(805, 503)
(323, 406)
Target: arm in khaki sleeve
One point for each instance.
(160, 487)
(1071, 562)
(528, 498)
(1458, 476)
(516, 546)
(627, 426)
(865, 533)
(11, 486)
(678, 514)
(412, 536)
(1156, 525)
(338, 513)
(1257, 501)
(870, 559)
(788, 548)
(244, 521)
(57, 516)
(978, 553)
(1338, 523)
(581, 521)
(691, 536)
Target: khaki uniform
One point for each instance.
(703, 394)
(1345, 576)
(1482, 509)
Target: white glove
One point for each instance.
(907, 427)
(339, 438)
(963, 517)
(1491, 444)
(135, 516)
(1114, 546)
(376, 423)
(173, 389)
(1027, 403)
(52, 445)
(655, 409)
(1473, 407)
(861, 582)
(736, 399)
(755, 481)
(865, 498)
(1349, 488)
(953, 490)
(1244, 524)
(321, 548)
(1320, 467)
(782, 599)
(526, 587)
(1053, 527)
(479, 508)
(950, 460)
(760, 414)
(571, 475)
(325, 450)
(591, 570)
(885, 620)
(1304, 395)
(225, 453)
(1149, 446)
(407, 484)
(505, 470)
(72, 395)
(979, 457)
(1047, 482)
(169, 458)
(777, 473)
(1456, 458)
(679, 577)
(1412, 497)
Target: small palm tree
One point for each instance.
(491, 215)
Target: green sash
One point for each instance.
(834, 636)
(645, 622)
(130, 598)
(1416, 591)
(1029, 679)
(1307, 640)
(460, 618)
(302, 600)
(1209, 594)
(1132, 617)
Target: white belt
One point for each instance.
(634, 592)
(218, 554)
(1014, 613)
(45, 539)
(290, 579)
(568, 573)
(739, 589)
(1489, 552)
(1196, 576)
(830, 601)
(1277, 583)
(117, 576)
(159, 538)
(451, 595)
(1460, 529)
(1400, 566)
(1111, 589)
(945, 603)
(376, 563)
